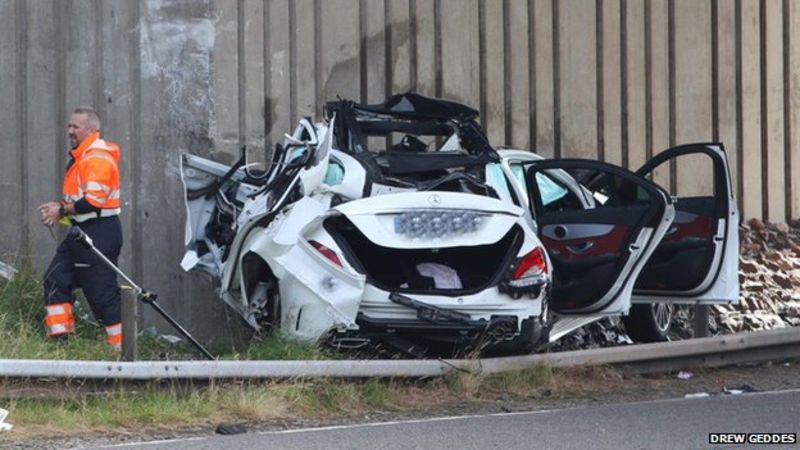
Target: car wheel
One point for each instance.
(649, 322)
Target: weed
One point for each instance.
(476, 386)
(20, 299)
(521, 382)
(465, 384)
(22, 333)
(379, 393)
(275, 346)
(249, 404)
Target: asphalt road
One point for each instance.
(674, 424)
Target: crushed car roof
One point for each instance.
(412, 106)
(408, 113)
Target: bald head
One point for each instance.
(82, 122)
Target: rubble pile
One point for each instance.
(769, 276)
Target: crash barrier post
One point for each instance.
(700, 320)
(130, 326)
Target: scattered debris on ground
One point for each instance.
(7, 271)
(3, 425)
(769, 273)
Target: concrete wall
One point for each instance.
(618, 80)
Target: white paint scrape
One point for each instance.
(3, 425)
(7, 272)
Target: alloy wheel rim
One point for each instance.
(662, 312)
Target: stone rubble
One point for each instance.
(769, 273)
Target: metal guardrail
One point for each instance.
(713, 351)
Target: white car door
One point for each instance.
(597, 253)
(697, 261)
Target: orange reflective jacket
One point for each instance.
(94, 175)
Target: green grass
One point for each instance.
(475, 385)
(23, 336)
(520, 381)
(149, 408)
(157, 407)
(275, 346)
(22, 332)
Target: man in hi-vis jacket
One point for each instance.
(91, 201)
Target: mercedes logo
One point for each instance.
(434, 199)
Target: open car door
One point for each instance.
(697, 261)
(596, 253)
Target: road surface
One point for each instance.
(674, 424)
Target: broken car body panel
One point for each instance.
(228, 206)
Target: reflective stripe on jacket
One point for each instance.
(94, 175)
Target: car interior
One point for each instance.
(408, 142)
(589, 248)
(397, 269)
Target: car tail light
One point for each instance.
(530, 268)
(527, 276)
(326, 252)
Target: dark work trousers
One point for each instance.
(77, 267)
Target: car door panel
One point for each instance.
(697, 260)
(597, 252)
(687, 244)
(581, 246)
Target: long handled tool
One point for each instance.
(145, 296)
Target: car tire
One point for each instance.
(649, 322)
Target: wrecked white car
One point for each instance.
(398, 223)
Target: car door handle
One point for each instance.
(580, 248)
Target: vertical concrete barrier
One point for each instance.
(130, 328)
